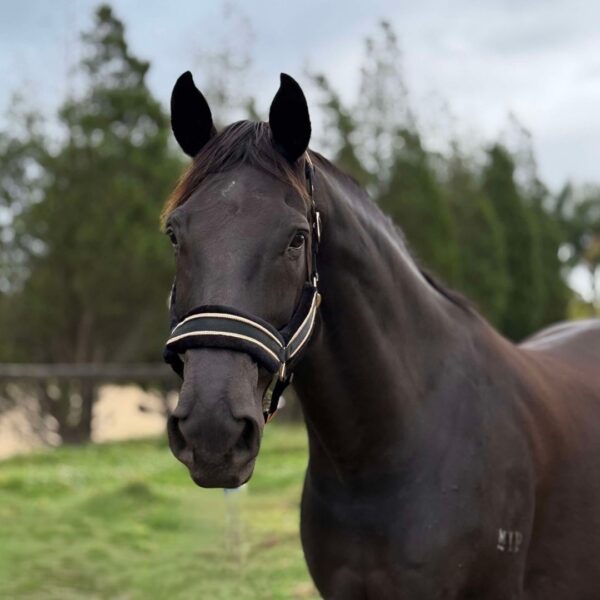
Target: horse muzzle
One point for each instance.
(215, 430)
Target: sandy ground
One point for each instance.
(117, 416)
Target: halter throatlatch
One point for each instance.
(216, 326)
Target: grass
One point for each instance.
(124, 521)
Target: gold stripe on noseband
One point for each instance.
(232, 318)
(226, 334)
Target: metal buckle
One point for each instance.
(282, 371)
(318, 225)
(268, 395)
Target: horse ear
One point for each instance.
(191, 119)
(289, 119)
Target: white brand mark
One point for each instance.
(509, 541)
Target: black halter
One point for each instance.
(278, 351)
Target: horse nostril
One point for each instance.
(176, 438)
(247, 439)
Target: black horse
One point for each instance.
(445, 461)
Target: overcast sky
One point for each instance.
(539, 59)
(485, 59)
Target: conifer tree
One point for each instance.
(524, 298)
(97, 268)
(481, 250)
(414, 199)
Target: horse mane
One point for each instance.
(243, 142)
(385, 221)
(455, 297)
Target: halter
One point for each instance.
(278, 351)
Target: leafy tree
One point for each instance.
(97, 272)
(22, 149)
(579, 210)
(524, 297)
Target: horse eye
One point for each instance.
(171, 236)
(298, 240)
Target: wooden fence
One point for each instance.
(101, 373)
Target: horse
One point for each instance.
(444, 460)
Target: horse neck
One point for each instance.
(384, 336)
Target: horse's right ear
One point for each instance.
(191, 118)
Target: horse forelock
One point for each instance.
(241, 143)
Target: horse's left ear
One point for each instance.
(289, 119)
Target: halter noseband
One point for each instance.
(278, 351)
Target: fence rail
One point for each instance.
(145, 372)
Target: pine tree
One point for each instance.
(524, 297)
(97, 267)
(555, 292)
(341, 132)
(414, 199)
(482, 255)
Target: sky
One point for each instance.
(482, 60)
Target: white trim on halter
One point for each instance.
(232, 318)
(310, 317)
(225, 334)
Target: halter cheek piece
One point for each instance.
(278, 351)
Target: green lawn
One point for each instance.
(125, 521)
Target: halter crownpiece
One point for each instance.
(278, 351)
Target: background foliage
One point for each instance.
(84, 271)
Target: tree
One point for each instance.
(97, 271)
(341, 131)
(414, 199)
(555, 292)
(383, 151)
(482, 254)
(524, 297)
(363, 136)
(579, 209)
(225, 62)
(546, 224)
(494, 234)
(383, 105)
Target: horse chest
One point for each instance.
(365, 550)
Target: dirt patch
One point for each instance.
(121, 412)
